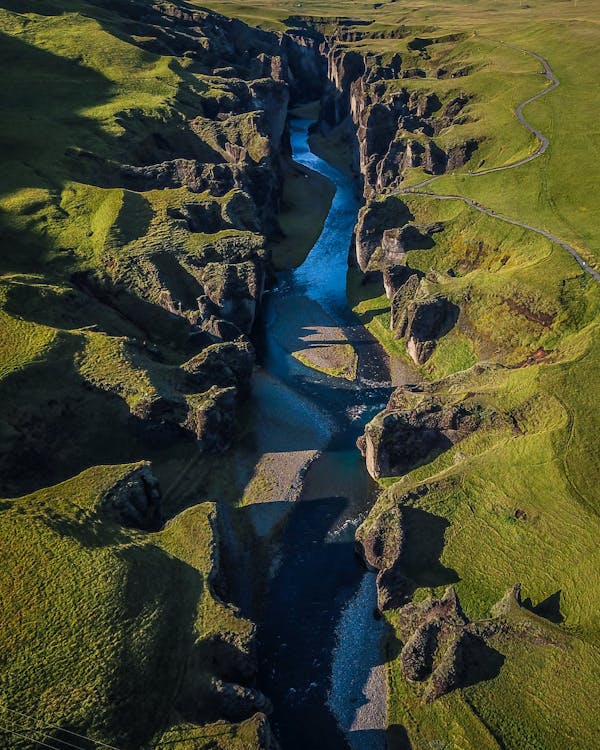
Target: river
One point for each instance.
(319, 643)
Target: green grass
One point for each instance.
(541, 469)
(97, 619)
(337, 360)
(22, 341)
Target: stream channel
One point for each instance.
(318, 641)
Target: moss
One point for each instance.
(337, 360)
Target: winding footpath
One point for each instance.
(544, 142)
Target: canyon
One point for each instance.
(290, 418)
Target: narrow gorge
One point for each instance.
(293, 428)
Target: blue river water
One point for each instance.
(318, 639)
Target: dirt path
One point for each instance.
(549, 74)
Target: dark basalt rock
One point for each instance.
(421, 322)
(407, 434)
(381, 547)
(134, 500)
(189, 173)
(416, 657)
(402, 154)
(237, 702)
(382, 544)
(459, 155)
(393, 588)
(380, 233)
(234, 289)
(435, 159)
(449, 651)
(401, 298)
(386, 118)
(211, 418)
(395, 279)
(433, 632)
(397, 443)
(227, 364)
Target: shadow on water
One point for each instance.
(316, 579)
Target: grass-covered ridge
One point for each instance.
(113, 621)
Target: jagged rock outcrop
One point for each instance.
(226, 364)
(416, 657)
(134, 500)
(395, 127)
(404, 288)
(436, 643)
(396, 278)
(381, 546)
(445, 650)
(416, 315)
(234, 289)
(237, 702)
(385, 233)
(211, 418)
(423, 322)
(413, 429)
(380, 234)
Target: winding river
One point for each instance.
(319, 644)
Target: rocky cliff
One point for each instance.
(415, 427)
(397, 126)
(163, 270)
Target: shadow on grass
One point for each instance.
(397, 738)
(481, 662)
(425, 540)
(549, 608)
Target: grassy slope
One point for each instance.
(109, 625)
(76, 83)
